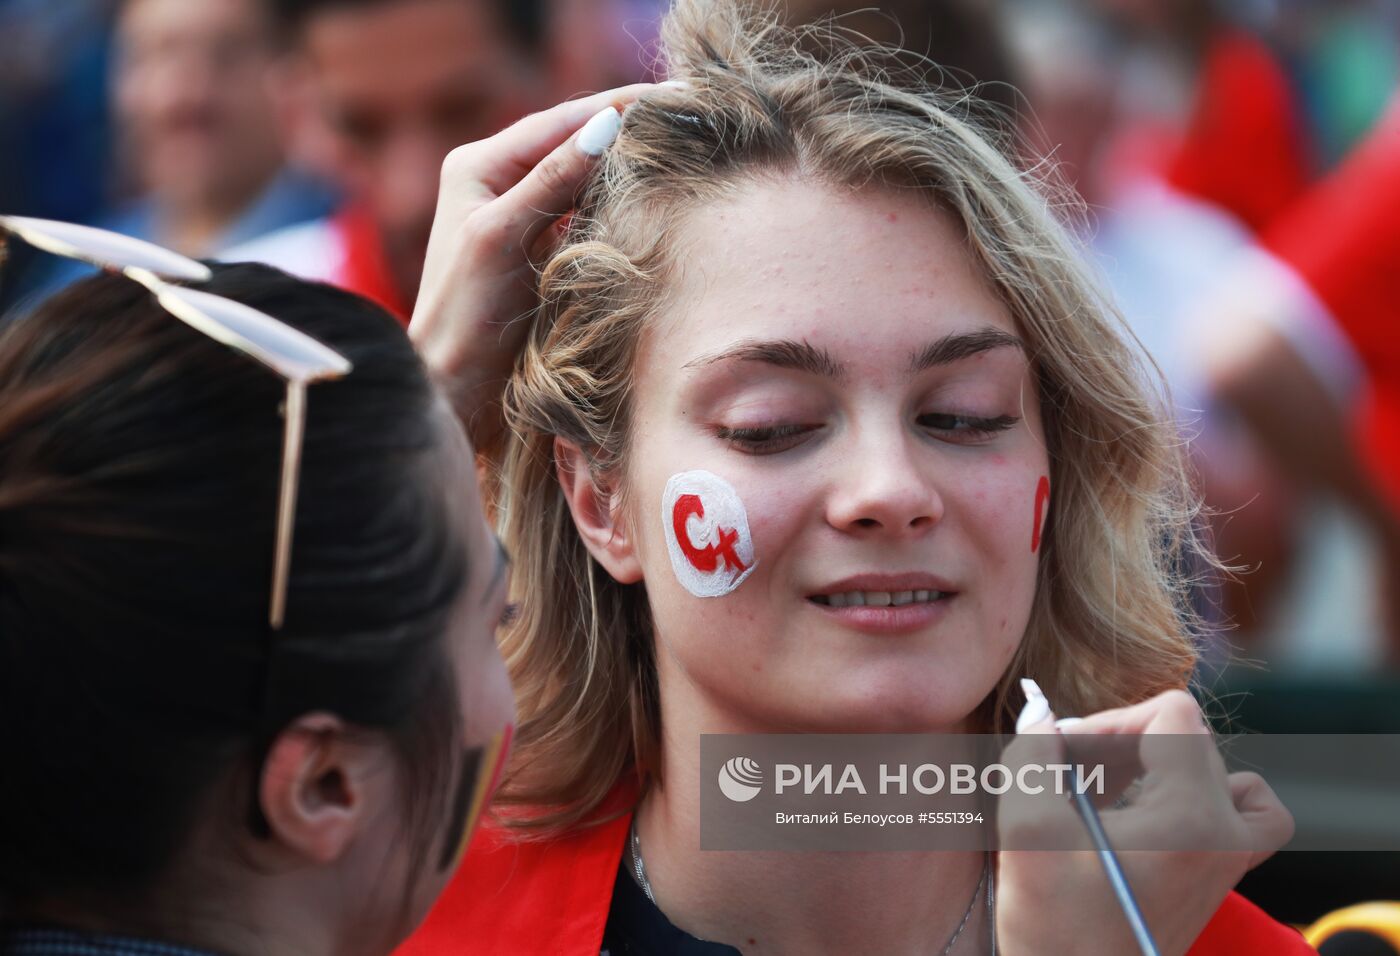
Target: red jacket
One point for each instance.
(552, 898)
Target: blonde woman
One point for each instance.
(813, 298)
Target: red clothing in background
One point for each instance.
(1343, 240)
(1244, 149)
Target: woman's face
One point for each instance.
(837, 359)
(484, 696)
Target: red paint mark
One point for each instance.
(1042, 495)
(753, 941)
(705, 559)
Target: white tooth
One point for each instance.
(836, 600)
(921, 596)
(902, 597)
(877, 599)
(855, 599)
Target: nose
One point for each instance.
(883, 489)
(409, 181)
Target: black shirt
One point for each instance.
(637, 927)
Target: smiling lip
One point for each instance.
(916, 581)
(927, 608)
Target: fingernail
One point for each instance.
(1064, 722)
(674, 84)
(1037, 708)
(599, 132)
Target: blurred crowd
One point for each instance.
(1239, 165)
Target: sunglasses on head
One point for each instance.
(290, 353)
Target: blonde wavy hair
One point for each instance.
(1110, 623)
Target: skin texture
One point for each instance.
(192, 98)
(880, 480)
(396, 87)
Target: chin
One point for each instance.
(902, 706)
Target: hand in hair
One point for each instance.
(1185, 838)
(498, 203)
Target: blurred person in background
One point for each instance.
(196, 100)
(391, 87)
(54, 123)
(197, 105)
(1185, 129)
(964, 38)
(1329, 263)
(597, 44)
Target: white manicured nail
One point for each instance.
(1037, 707)
(675, 84)
(1064, 722)
(599, 132)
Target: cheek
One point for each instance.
(690, 564)
(712, 534)
(1004, 508)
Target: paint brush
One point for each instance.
(1116, 878)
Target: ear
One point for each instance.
(313, 789)
(596, 515)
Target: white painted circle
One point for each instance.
(707, 533)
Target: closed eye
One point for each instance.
(968, 428)
(765, 440)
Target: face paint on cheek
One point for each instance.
(707, 533)
(1042, 511)
(476, 782)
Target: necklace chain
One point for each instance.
(639, 870)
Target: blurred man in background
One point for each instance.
(196, 105)
(391, 87)
(196, 111)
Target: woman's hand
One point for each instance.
(498, 203)
(1199, 830)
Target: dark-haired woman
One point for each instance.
(176, 775)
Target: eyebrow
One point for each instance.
(805, 357)
(781, 353)
(960, 345)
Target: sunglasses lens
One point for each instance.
(102, 248)
(288, 351)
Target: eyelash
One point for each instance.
(977, 428)
(777, 438)
(509, 615)
(766, 440)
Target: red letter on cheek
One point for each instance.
(1042, 501)
(704, 559)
